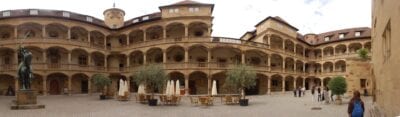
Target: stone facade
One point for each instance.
(68, 48)
(359, 76)
(385, 59)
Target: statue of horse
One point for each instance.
(24, 69)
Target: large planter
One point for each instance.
(152, 102)
(338, 100)
(244, 102)
(102, 97)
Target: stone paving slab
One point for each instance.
(277, 105)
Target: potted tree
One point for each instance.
(101, 81)
(239, 78)
(338, 86)
(154, 77)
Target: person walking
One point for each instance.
(303, 90)
(313, 94)
(326, 96)
(298, 92)
(294, 92)
(319, 94)
(356, 106)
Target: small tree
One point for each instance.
(240, 77)
(338, 86)
(153, 76)
(100, 80)
(363, 53)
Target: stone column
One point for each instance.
(283, 45)
(347, 49)
(69, 60)
(44, 31)
(128, 62)
(269, 63)
(105, 63)
(322, 53)
(186, 57)
(89, 40)
(304, 82)
(243, 58)
(144, 59)
(16, 58)
(69, 85)
(69, 33)
(283, 84)
(164, 58)
(44, 86)
(209, 82)
(127, 40)
(304, 52)
(144, 35)
(186, 31)
(334, 52)
(283, 65)
(269, 86)
(304, 67)
(16, 32)
(322, 84)
(89, 87)
(209, 58)
(295, 66)
(294, 49)
(164, 33)
(186, 85)
(269, 41)
(294, 83)
(105, 42)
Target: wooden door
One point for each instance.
(54, 87)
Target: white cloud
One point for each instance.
(232, 17)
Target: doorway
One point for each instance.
(84, 86)
(54, 87)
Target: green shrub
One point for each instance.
(240, 77)
(338, 85)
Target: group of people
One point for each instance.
(300, 91)
(320, 94)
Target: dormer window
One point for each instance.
(357, 34)
(135, 21)
(6, 13)
(65, 14)
(194, 9)
(327, 38)
(89, 19)
(33, 12)
(341, 36)
(145, 18)
(176, 10)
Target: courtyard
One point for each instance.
(275, 105)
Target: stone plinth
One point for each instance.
(26, 99)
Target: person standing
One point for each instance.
(326, 95)
(313, 93)
(303, 90)
(319, 94)
(294, 92)
(356, 106)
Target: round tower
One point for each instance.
(114, 17)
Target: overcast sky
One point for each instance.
(232, 18)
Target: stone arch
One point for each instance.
(136, 36)
(299, 49)
(231, 55)
(176, 75)
(79, 34)
(98, 60)
(328, 67)
(136, 58)
(175, 54)
(289, 64)
(289, 83)
(30, 30)
(97, 39)
(340, 49)
(368, 46)
(276, 42)
(353, 47)
(198, 83)
(340, 66)
(154, 55)
(154, 33)
(7, 81)
(56, 31)
(6, 32)
(175, 30)
(289, 46)
(276, 82)
(56, 56)
(80, 83)
(328, 51)
(256, 57)
(57, 83)
(276, 62)
(198, 29)
(79, 57)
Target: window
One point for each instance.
(357, 34)
(82, 60)
(33, 12)
(194, 9)
(275, 83)
(176, 10)
(145, 18)
(89, 19)
(386, 42)
(135, 21)
(6, 13)
(66, 14)
(341, 36)
(327, 38)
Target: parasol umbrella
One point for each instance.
(177, 88)
(214, 88)
(121, 88)
(172, 90)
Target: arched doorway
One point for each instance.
(198, 83)
(57, 83)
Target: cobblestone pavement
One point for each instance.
(276, 105)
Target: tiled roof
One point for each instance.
(278, 19)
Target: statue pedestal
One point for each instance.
(26, 99)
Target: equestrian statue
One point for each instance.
(25, 73)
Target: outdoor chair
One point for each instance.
(175, 100)
(141, 98)
(194, 100)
